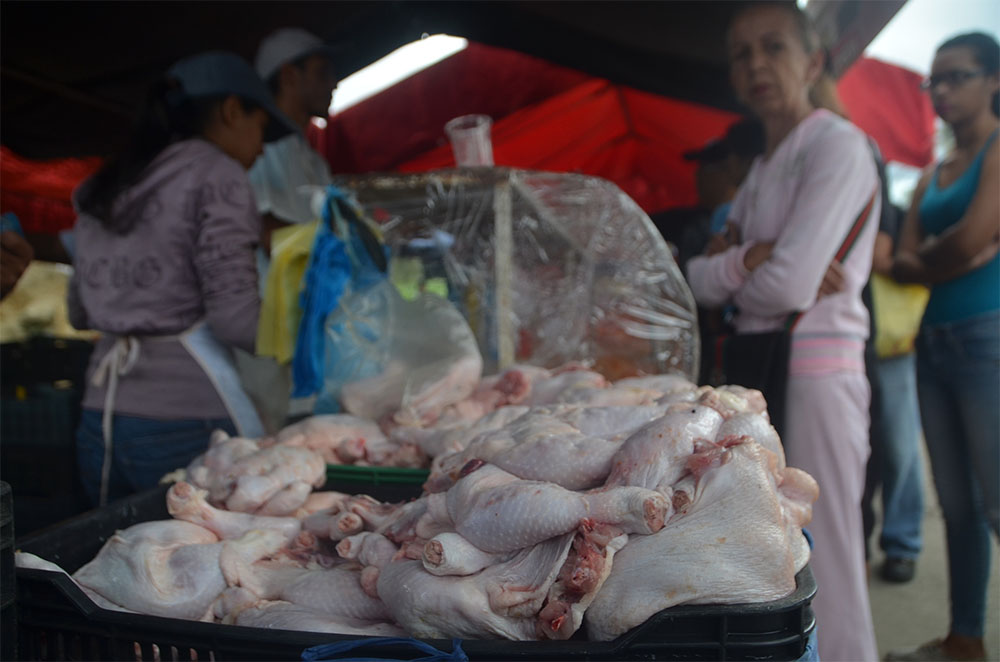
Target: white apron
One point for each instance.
(215, 360)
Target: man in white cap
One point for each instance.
(298, 67)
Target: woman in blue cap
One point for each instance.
(165, 269)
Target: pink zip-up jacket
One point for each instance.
(805, 197)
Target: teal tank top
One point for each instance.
(978, 291)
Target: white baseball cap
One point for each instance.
(287, 45)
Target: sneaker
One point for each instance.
(932, 651)
(898, 571)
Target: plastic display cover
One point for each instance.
(547, 268)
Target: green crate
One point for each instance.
(384, 483)
(376, 475)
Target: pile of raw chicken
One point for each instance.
(554, 500)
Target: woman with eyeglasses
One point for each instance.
(949, 241)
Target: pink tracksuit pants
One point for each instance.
(826, 434)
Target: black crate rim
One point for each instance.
(52, 599)
(212, 636)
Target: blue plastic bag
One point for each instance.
(345, 258)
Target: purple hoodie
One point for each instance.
(190, 255)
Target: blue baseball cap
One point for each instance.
(218, 73)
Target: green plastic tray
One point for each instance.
(374, 475)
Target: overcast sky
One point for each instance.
(912, 35)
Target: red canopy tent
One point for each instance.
(546, 117)
(589, 125)
(632, 138)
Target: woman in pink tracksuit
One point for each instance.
(788, 220)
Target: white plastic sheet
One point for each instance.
(546, 267)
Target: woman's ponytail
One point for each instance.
(166, 117)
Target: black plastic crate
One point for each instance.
(42, 360)
(43, 415)
(38, 458)
(41, 387)
(56, 621)
(8, 607)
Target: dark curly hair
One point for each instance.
(166, 117)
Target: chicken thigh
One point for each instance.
(186, 502)
(501, 601)
(497, 512)
(654, 456)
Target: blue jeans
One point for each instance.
(896, 434)
(143, 450)
(958, 379)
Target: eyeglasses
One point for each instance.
(952, 79)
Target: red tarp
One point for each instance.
(39, 191)
(887, 102)
(546, 117)
(407, 119)
(589, 125)
(632, 138)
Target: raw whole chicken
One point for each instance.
(33, 562)
(273, 480)
(732, 544)
(173, 568)
(339, 438)
(554, 498)
(223, 452)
